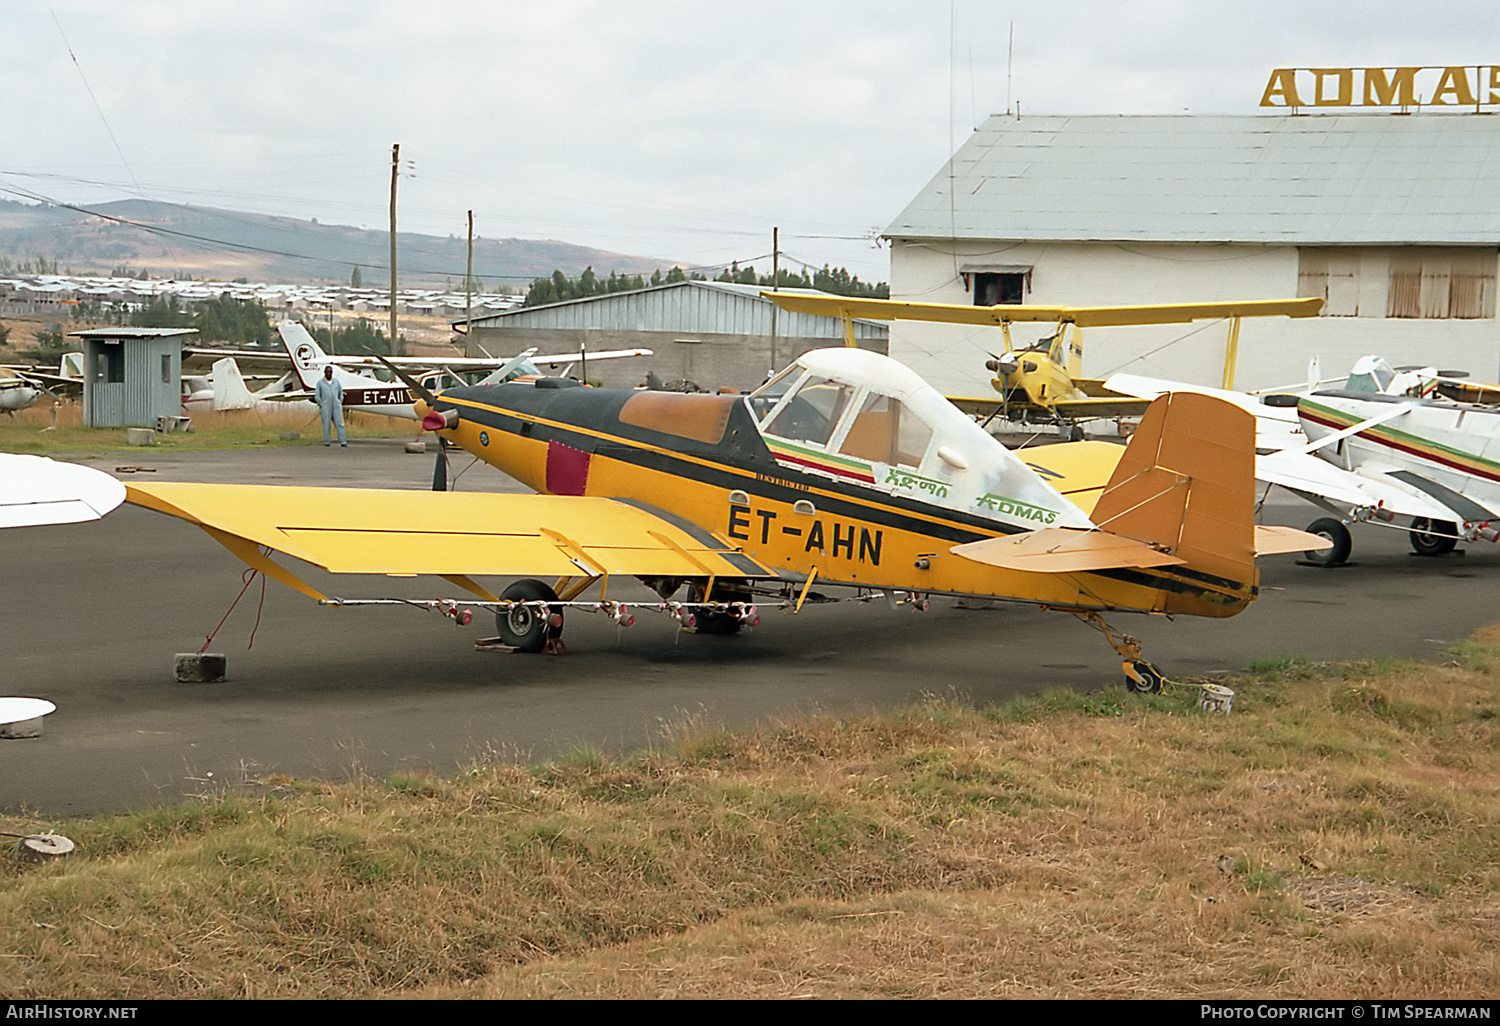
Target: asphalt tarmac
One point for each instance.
(93, 614)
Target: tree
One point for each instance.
(354, 340)
(356, 279)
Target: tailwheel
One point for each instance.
(1142, 678)
(527, 628)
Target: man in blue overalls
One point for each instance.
(330, 396)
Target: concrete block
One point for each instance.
(291, 436)
(140, 436)
(200, 667)
(417, 446)
(22, 728)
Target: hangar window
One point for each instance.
(992, 289)
(1406, 282)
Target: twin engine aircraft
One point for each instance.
(846, 469)
(1392, 447)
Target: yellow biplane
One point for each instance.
(1045, 381)
(846, 469)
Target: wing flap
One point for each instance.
(361, 530)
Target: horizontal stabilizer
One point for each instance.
(1273, 541)
(1063, 550)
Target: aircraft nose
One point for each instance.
(436, 420)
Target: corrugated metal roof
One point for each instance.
(1354, 179)
(687, 307)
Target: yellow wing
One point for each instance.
(448, 534)
(1083, 316)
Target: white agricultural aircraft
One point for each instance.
(1389, 445)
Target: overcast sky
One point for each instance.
(677, 130)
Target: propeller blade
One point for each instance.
(440, 468)
(421, 390)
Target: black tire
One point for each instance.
(521, 627)
(1335, 532)
(1075, 435)
(1151, 679)
(1433, 537)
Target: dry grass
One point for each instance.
(1338, 836)
(34, 431)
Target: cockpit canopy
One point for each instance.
(1370, 374)
(864, 417)
(804, 406)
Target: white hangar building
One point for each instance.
(1393, 218)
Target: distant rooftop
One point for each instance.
(1359, 179)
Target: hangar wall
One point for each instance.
(1272, 351)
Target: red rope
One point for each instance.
(248, 576)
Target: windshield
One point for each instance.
(812, 414)
(764, 399)
(1370, 376)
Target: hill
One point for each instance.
(204, 242)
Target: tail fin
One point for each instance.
(1186, 485)
(230, 390)
(307, 356)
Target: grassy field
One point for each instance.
(35, 431)
(1337, 836)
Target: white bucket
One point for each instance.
(1215, 698)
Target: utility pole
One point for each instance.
(775, 287)
(469, 290)
(395, 165)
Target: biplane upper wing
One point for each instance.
(1083, 316)
(449, 534)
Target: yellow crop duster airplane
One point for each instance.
(1046, 380)
(844, 469)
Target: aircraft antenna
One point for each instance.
(1010, 61)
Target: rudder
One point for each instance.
(1186, 485)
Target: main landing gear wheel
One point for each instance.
(1433, 537)
(1335, 532)
(1142, 678)
(523, 627)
